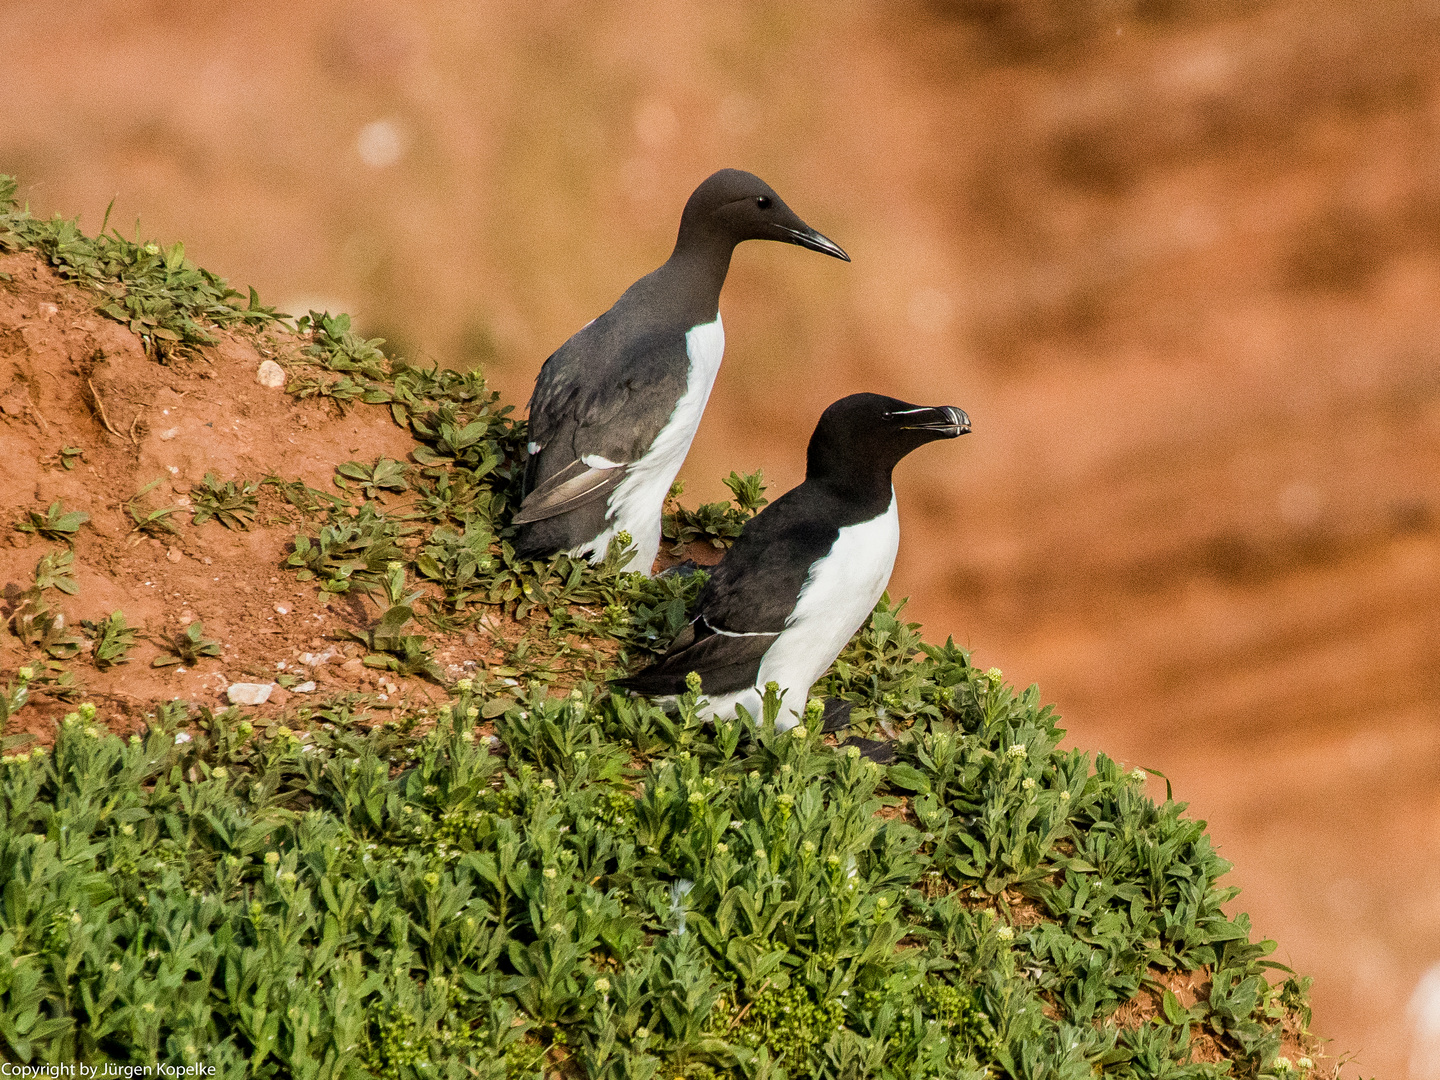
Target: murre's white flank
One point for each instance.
(838, 595)
(636, 504)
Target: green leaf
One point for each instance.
(908, 777)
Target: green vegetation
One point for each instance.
(622, 891)
(233, 506)
(534, 876)
(113, 637)
(719, 523)
(150, 521)
(54, 523)
(187, 648)
(32, 618)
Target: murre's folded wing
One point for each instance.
(579, 482)
(592, 415)
(724, 660)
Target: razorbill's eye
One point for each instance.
(763, 202)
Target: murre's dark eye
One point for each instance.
(763, 202)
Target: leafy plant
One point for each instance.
(719, 523)
(390, 649)
(56, 570)
(234, 507)
(385, 475)
(113, 640)
(187, 648)
(55, 523)
(43, 627)
(148, 521)
(67, 457)
(337, 347)
(349, 551)
(457, 560)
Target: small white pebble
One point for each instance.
(281, 609)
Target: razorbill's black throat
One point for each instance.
(615, 407)
(808, 569)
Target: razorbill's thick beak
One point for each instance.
(809, 238)
(945, 420)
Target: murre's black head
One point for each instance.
(733, 205)
(861, 438)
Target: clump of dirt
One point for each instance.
(89, 418)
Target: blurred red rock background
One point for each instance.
(1179, 259)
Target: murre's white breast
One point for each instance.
(839, 593)
(636, 503)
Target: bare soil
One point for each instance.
(72, 378)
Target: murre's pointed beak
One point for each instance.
(946, 421)
(809, 238)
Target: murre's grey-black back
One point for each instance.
(614, 409)
(806, 570)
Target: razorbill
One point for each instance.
(615, 407)
(807, 570)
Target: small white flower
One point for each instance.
(1005, 933)
(642, 1033)
(603, 985)
(272, 857)
(1139, 775)
(798, 732)
(1018, 752)
(1064, 796)
(549, 872)
(1305, 1064)
(1028, 783)
(722, 849)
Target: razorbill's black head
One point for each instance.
(808, 569)
(733, 205)
(861, 438)
(615, 407)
